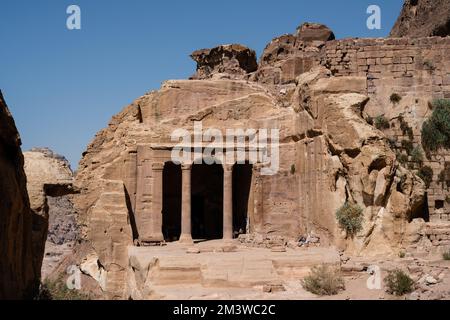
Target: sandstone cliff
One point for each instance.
(19, 271)
(328, 150)
(50, 188)
(423, 18)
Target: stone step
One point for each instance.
(245, 268)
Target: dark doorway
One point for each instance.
(207, 201)
(421, 211)
(171, 202)
(242, 179)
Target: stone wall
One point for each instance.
(418, 70)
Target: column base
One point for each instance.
(228, 240)
(152, 239)
(186, 239)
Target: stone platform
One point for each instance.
(215, 270)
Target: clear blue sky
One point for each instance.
(63, 86)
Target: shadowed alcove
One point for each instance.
(171, 201)
(242, 179)
(207, 201)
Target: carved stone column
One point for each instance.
(153, 222)
(227, 202)
(186, 224)
(257, 214)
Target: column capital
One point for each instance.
(228, 167)
(186, 166)
(158, 166)
(257, 167)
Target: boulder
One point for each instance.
(232, 61)
(288, 56)
(314, 32)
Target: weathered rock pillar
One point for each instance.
(186, 236)
(227, 202)
(153, 227)
(157, 204)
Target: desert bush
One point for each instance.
(406, 129)
(429, 65)
(324, 281)
(57, 290)
(381, 123)
(402, 158)
(398, 283)
(417, 155)
(444, 175)
(395, 98)
(426, 174)
(350, 218)
(446, 255)
(436, 130)
(408, 146)
(392, 143)
(293, 169)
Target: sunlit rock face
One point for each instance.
(423, 18)
(50, 188)
(19, 265)
(321, 96)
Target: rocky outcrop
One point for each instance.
(111, 234)
(321, 95)
(227, 61)
(423, 18)
(309, 32)
(19, 270)
(290, 55)
(50, 188)
(357, 166)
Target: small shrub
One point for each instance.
(402, 254)
(399, 283)
(417, 155)
(429, 65)
(395, 98)
(426, 174)
(323, 281)
(436, 130)
(444, 175)
(402, 158)
(350, 218)
(406, 129)
(408, 146)
(382, 123)
(392, 143)
(446, 255)
(57, 290)
(293, 170)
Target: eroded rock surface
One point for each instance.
(227, 61)
(423, 18)
(320, 93)
(50, 187)
(19, 267)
